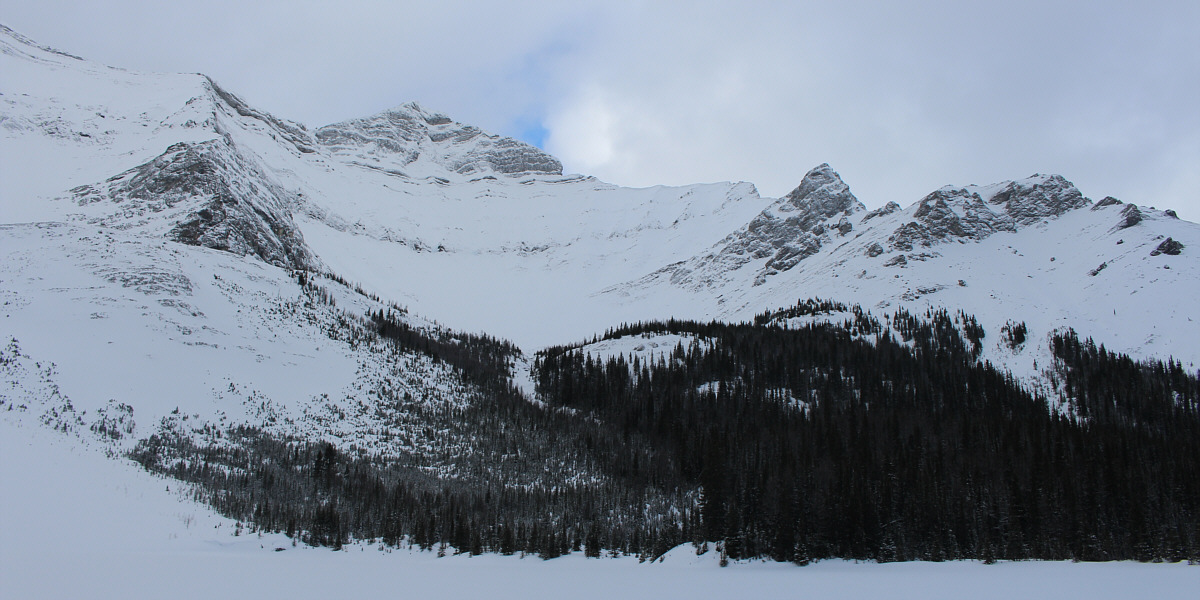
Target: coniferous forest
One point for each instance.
(865, 439)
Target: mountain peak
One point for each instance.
(413, 109)
(1038, 197)
(976, 212)
(414, 141)
(823, 194)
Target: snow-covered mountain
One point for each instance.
(174, 261)
(485, 233)
(1032, 250)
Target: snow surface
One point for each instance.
(66, 122)
(646, 347)
(192, 337)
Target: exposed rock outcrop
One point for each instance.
(1169, 247)
(949, 214)
(790, 230)
(400, 139)
(1130, 216)
(886, 209)
(974, 213)
(1037, 198)
(206, 194)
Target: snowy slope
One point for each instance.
(103, 330)
(1032, 251)
(69, 122)
(438, 223)
(484, 233)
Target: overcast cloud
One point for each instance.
(900, 97)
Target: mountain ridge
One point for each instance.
(436, 215)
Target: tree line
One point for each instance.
(813, 442)
(860, 438)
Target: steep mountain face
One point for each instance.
(1026, 251)
(785, 233)
(411, 140)
(67, 120)
(290, 134)
(209, 195)
(485, 233)
(822, 211)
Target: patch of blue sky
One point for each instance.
(532, 132)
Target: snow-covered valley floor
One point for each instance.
(77, 524)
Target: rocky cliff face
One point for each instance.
(974, 213)
(204, 194)
(790, 230)
(409, 140)
(821, 215)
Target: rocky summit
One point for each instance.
(411, 140)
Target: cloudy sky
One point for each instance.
(900, 97)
